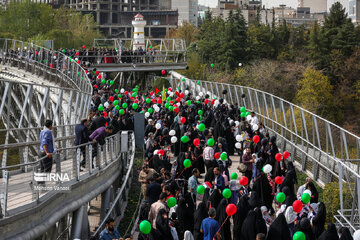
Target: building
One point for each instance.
(114, 18)
(354, 11)
(316, 6)
(187, 10)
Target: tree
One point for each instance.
(317, 50)
(337, 16)
(188, 32)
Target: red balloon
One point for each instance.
(196, 142)
(151, 93)
(136, 101)
(286, 155)
(159, 100)
(153, 100)
(178, 99)
(182, 95)
(126, 92)
(171, 102)
(163, 72)
(169, 89)
(213, 101)
(183, 120)
(297, 206)
(256, 139)
(244, 181)
(176, 110)
(37, 53)
(77, 53)
(278, 180)
(206, 101)
(78, 62)
(99, 76)
(217, 155)
(84, 46)
(86, 71)
(97, 72)
(95, 86)
(105, 114)
(278, 157)
(111, 98)
(161, 152)
(231, 209)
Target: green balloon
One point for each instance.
(116, 90)
(171, 108)
(122, 111)
(167, 105)
(135, 106)
(299, 236)
(148, 100)
(134, 94)
(184, 139)
(117, 107)
(198, 102)
(78, 72)
(116, 102)
(137, 86)
(201, 118)
(247, 113)
(124, 105)
(226, 193)
(212, 65)
(111, 82)
(280, 197)
(135, 90)
(200, 112)
(242, 109)
(119, 96)
(63, 50)
(305, 198)
(243, 114)
(211, 142)
(233, 176)
(188, 102)
(183, 79)
(150, 110)
(201, 127)
(223, 156)
(187, 163)
(145, 227)
(200, 189)
(107, 82)
(101, 108)
(198, 82)
(103, 81)
(168, 99)
(171, 202)
(142, 112)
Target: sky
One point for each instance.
(274, 3)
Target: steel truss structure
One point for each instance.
(323, 150)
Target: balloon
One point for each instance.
(305, 198)
(238, 145)
(230, 209)
(178, 99)
(187, 163)
(198, 83)
(297, 206)
(184, 139)
(201, 127)
(188, 102)
(148, 100)
(200, 112)
(267, 168)
(183, 94)
(255, 127)
(244, 181)
(183, 120)
(116, 102)
(111, 82)
(239, 138)
(158, 126)
(124, 105)
(183, 79)
(167, 105)
(307, 191)
(121, 111)
(217, 155)
(286, 155)
(103, 81)
(243, 115)
(150, 110)
(223, 156)
(200, 189)
(176, 110)
(101, 108)
(278, 157)
(280, 197)
(126, 92)
(135, 106)
(212, 65)
(173, 139)
(161, 152)
(211, 142)
(83, 46)
(133, 95)
(171, 202)
(147, 114)
(233, 176)
(256, 139)
(226, 193)
(278, 180)
(172, 132)
(145, 227)
(122, 90)
(356, 235)
(157, 109)
(106, 104)
(299, 236)
(206, 101)
(163, 72)
(242, 109)
(117, 107)
(201, 94)
(171, 108)
(196, 142)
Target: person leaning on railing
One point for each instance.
(81, 137)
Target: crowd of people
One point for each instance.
(190, 144)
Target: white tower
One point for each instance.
(139, 32)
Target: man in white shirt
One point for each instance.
(302, 188)
(209, 157)
(254, 119)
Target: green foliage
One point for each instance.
(28, 20)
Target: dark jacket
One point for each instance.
(81, 134)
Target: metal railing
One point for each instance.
(321, 149)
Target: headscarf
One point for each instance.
(200, 214)
(279, 229)
(162, 226)
(248, 229)
(319, 220)
(260, 222)
(290, 215)
(185, 215)
(221, 215)
(314, 192)
(265, 216)
(254, 200)
(188, 236)
(330, 233)
(243, 208)
(345, 234)
(304, 226)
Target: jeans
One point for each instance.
(45, 163)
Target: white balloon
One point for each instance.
(240, 64)
(173, 139)
(216, 102)
(237, 123)
(231, 122)
(171, 94)
(248, 118)
(186, 92)
(25, 48)
(178, 104)
(155, 152)
(122, 90)
(158, 126)
(147, 114)
(54, 57)
(172, 132)
(356, 235)
(238, 145)
(267, 168)
(106, 104)
(308, 192)
(197, 98)
(76, 59)
(255, 127)
(157, 109)
(239, 138)
(201, 94)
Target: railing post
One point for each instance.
(58, 162)
(77, 162)
(90, 162)
(99, 156)
(341, 187)
(4, 192)
(106, 152)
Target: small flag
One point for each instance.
(156, 90)
(163, 94)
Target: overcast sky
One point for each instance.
(274, 3)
